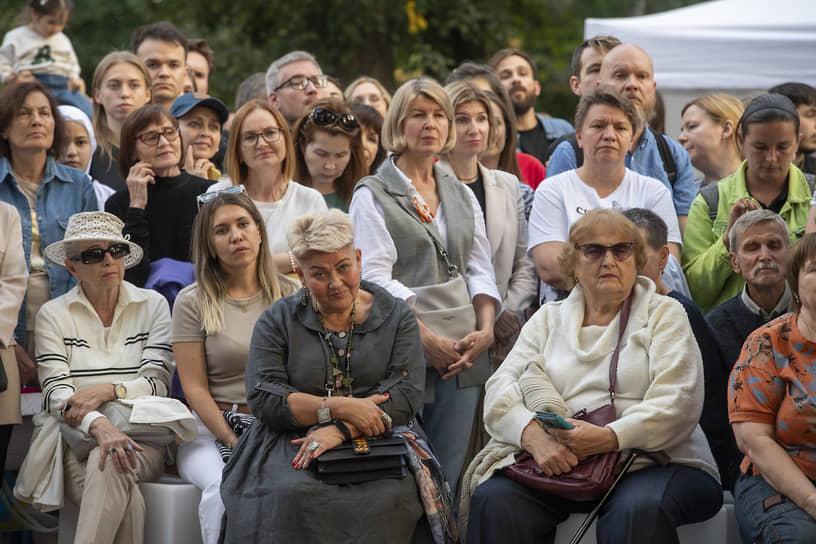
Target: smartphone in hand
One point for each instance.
(550, 419)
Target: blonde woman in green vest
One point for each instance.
(405, 217)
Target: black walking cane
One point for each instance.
(657, 456)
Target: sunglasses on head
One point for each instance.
(324, 117)
(596, 252)
(97, 254)
(206, 197)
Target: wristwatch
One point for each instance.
(120, 391)
(323, 413)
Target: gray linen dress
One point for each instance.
(266, 499)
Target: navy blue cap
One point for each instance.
(188, 101)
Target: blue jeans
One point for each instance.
(646, 506)
(58, 86)
(448, 422)
(780, 522)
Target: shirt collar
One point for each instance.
(780, 308)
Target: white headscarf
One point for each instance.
(71, 113)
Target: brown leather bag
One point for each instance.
(593, 476)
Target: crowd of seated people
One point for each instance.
(319, 270)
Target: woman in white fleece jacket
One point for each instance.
(561, 363)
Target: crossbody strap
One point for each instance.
(451, 268)
(613, 365)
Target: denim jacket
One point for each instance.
(63, 192)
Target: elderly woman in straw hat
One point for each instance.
(103, 340)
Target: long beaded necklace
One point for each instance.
(341, 380)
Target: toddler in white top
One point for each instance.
(39, 50)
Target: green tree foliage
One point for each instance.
(389, 39)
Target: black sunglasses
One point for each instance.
(324, 117)
(97, 254)
(595, 252)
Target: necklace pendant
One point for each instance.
(342, 334)
(338, 383)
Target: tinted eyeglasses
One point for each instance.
(301, 82)
(152, 137)
(596, 252)
(324, 117)
(206, 197)
(97, 254)
(270, 135)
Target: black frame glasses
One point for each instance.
(324, 117)
(152, 138)
(206, 197)
(269, 135)
(300, 82)
(96, 255)
(596, 252)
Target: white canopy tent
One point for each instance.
(737, 46)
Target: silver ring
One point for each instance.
(313, 446)
(112, 451)
(386, 419)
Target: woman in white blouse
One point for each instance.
(421, 207)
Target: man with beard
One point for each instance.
(759, 245)
(628, 69)
(536, 131)
(293, 83)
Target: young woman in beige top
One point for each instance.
(212, 326)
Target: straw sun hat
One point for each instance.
(96, 227)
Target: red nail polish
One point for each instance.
(294, 463)
(297, 466)
(385, 394)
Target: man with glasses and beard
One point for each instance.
(536, 131)
(293, 83)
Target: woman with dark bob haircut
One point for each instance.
(44, 192)
(159, 205)
(562, 363)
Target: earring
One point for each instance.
(304, 298)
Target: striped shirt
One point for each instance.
(74, 351)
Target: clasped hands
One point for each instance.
(451, 357)
(557, 451)
(362, 416)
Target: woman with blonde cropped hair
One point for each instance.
(435, 236)
(708, 132)
(339, 360)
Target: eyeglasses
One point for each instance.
(97, 254)
(152, 138)
(270, 135)
(595, 252)
(324, 117)
(206, 197)
(301, 82)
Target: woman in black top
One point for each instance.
(159, 205)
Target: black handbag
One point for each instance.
(363, 460)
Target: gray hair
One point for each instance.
(754, 217)
(252, 87)
(273, 72)
(325, 232)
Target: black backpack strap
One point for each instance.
(811, 181)
(666, 156)
(579, 153)
(711, 195)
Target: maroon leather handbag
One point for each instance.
(593, 476)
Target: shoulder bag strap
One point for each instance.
(452, 270)
(613, 365)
